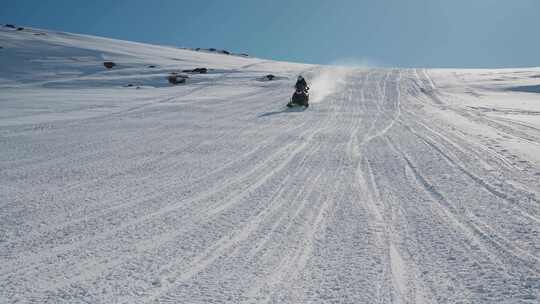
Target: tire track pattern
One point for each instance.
(361, 199)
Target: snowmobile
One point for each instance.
(299, 98)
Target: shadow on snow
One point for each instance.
(527, 89)
(284, 111)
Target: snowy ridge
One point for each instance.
(395, 186)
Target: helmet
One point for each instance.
(300, 77)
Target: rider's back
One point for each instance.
(301, 85)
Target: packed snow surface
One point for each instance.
(395, 186)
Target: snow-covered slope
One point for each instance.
(395, 186)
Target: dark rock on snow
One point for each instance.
(269, 77)
(196, 70)
(225, 52)
(175, 78)
(10, 26)
(109, 64)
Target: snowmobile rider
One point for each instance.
(301, 84)
(300, 96)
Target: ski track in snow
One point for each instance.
(399, 186)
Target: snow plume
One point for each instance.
(327, 82)
(330, 78)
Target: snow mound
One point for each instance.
(56, 59)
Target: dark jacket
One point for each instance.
(301, 85)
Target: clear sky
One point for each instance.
(404, 33)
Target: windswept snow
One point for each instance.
(395, 186)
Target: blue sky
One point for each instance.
(404, 33)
